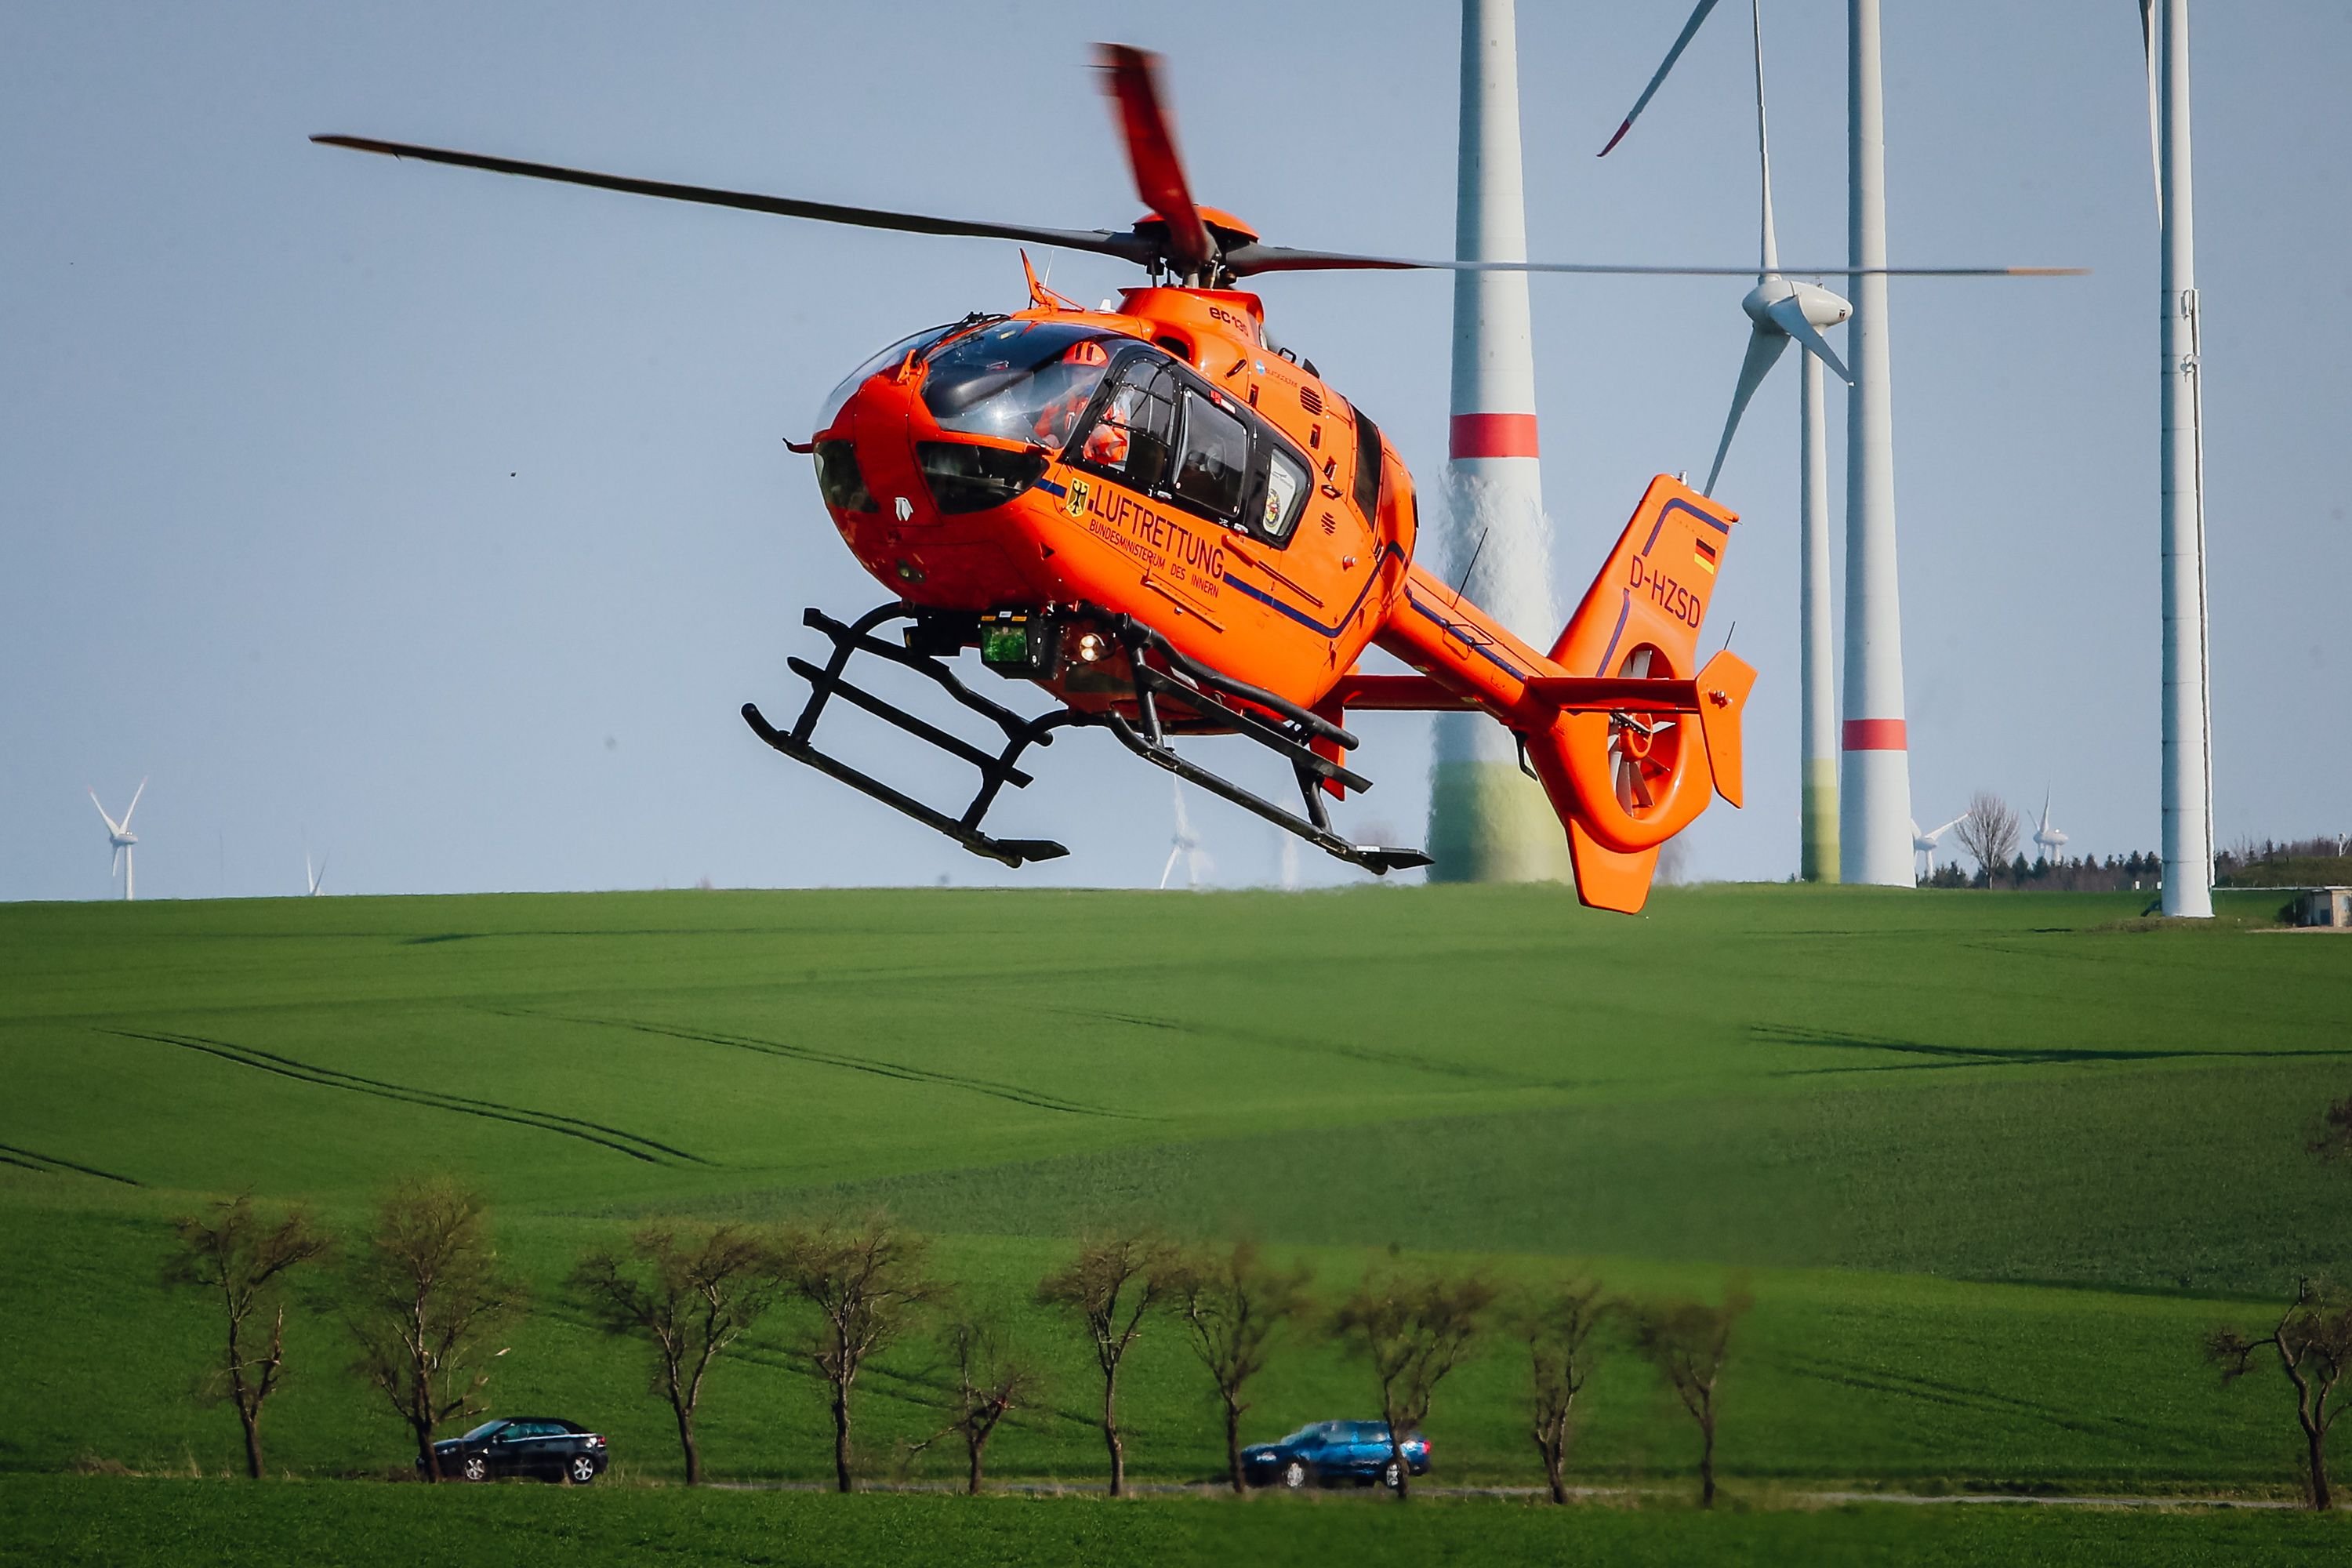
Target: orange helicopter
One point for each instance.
(1175, 528)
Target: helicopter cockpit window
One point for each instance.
(1134, 437)
(1215, 458)
(1017, 381)
(895, 355)
(1286, 493)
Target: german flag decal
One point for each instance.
(1703, 554)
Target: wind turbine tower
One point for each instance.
(1875, 775)
(2187, 724)
(1488, 822)
(120, 836)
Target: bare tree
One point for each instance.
(426, 1298)
(1413, 1329)
(238, 1257)
(992, 1381)
(1688, 1342)
(867, 1281)
(690, 1296)
(1233, 1305)
(1989, 832)
(1557, 1323)
(1110, 1287)
(2313, 1339)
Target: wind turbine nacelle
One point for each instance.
(123, 840)
(1821, 306)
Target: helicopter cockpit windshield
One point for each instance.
(1017, 381)
(895, 355)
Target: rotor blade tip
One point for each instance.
(1614, 139)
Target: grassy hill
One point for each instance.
(1989, 1163)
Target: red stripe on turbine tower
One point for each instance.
(1875, 735)
(1492, 436)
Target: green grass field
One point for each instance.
(1991, 1165)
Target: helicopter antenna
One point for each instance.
(1476, 551)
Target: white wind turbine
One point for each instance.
(1923, 844)
(2046, 839)
(1779, 310)
(118, 835)
(315, 878)
(1184, 843)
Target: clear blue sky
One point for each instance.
(444, 520)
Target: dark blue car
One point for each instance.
(1332, 1451)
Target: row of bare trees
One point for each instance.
(425, 1302)
(422, 1299)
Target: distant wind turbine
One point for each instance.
(119, 834)
(316, 879)
(1925, 843)
(1780, 311)
(1185, 845)
(2046, 839)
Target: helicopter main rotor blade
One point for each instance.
(1126, 246)
(1241, 261)
(1245, 260)
(1151, 153)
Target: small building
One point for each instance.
(2330, 907)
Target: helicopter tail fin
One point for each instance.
(1652, 595)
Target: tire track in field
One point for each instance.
(881, 1068)
(1984, 1401)
(1371, 1056)
(635, 1145)
(1994, 1056)
(50, 1165)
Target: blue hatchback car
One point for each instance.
(1332, 1451)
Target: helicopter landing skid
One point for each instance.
(1197, 686)
(1207, 692)
(996, 771)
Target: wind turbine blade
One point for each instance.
(1764, 348)
(134, 805)
(321, 879)
(1690, 29)
(1789, 315)
(112, 826)
(116, 869)
(2155, 135)
(1169, 869)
